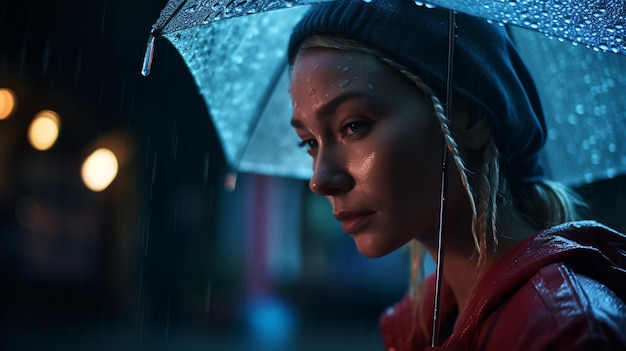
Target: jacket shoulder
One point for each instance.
(557, 309)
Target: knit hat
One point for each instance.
(487, 69)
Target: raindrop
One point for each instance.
(580, 109)
(572, 119)
(586, 145)
(237, 59)
(205, 173)
(167, 323)
(370, 86)
(344, 83)
(346, 69)
(316, 67)
(611, 173)
(595, 158)
(311, 91)
(553, 134)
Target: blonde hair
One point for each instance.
(543, 204)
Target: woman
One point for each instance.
(366, 82)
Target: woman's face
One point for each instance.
(375, 144)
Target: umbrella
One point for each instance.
(236, 52)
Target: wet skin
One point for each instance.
(375, 144)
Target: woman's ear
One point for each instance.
(471, 126)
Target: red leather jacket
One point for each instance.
(561, 289)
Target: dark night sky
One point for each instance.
(85, 57)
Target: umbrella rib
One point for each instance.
(162, 23)
(259, 113)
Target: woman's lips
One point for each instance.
(353, 221)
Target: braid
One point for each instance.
(488, 180)
(445, 130)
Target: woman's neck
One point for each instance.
(461, 268)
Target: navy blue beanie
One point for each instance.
(487, 69)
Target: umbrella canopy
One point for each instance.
(236, 51)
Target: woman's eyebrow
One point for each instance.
(296, 123)
(331, 106)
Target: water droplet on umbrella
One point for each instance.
(344, 83)
(311, 92)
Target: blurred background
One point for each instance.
(117, 230)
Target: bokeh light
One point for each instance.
(44, 130)
(99, 169)
(8, 103)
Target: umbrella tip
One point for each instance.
(147, 58)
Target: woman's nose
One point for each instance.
(330, 176)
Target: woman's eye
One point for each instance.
(310, 144)
(355, 128)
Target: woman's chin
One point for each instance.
(371, 248)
